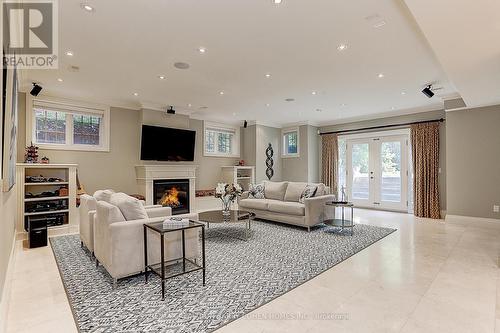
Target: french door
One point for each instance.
(377, 172)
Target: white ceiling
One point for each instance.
(126, 44)
(465, 35)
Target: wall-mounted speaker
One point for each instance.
(35, 90)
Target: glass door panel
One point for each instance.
(390, 189)
(360, 171)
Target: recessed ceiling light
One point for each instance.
(161, 77)
(379, 24)
(181, 65)
(190, 105)
(136, 94)
(60, 80)
(393, 108)
(277, 2)
(381, 75)
(221, 93)
(313, 93)
(268, 75)
(202, 49)
(267, 104)
(342, 47)
(403, 93)
(343, 105)
(70, 53)
(88, 8)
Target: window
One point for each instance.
(290, 142)
(221, 140)
(65, 125)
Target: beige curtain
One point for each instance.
(425, 152)
(330, 157)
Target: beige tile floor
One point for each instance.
(429, 276)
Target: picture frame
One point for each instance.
(10, 128)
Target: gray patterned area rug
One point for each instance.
(241, 276)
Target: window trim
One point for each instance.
(284, 132)
(70, 107)
(221, 127)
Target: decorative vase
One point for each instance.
(226, 204)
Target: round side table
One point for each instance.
(342, 223)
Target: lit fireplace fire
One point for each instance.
(170, 198)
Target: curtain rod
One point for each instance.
(383, 126)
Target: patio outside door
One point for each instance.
(377, 172)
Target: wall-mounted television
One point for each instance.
(167, 144)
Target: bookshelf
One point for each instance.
(43, 198)
(243, 175)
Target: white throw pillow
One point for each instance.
(130, 207)
(109, 212)
(103, 195)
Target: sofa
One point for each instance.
(281, 203)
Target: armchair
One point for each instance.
(119, 244)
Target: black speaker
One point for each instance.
(245, 124)
(428, 91)
(37, 232)
(171, 110)
(35, 90)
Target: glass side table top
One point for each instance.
(160, 228)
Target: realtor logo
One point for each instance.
(30, 34)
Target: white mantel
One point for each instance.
(146, 174)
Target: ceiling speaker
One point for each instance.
(35, 90)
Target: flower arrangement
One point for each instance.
(227, 193)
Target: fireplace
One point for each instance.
(173, 193)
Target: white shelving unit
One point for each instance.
(66, 172)
(243, 175)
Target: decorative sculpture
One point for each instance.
(269, 162)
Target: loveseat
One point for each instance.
(281, 203)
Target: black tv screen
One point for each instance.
(167, 144)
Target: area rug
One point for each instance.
(241, 276)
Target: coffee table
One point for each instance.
(236, 217)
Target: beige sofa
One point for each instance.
(281, 204)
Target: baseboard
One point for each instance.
(460, 218)
(4, 302)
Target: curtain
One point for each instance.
(425, 153)
(330, 157)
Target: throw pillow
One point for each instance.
(256, 191)
(103, 195)
(308, 192)
(130, 207)
(275, 190)
(108, 212)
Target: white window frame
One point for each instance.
(284, 151)
(70, 108)
(235, 145)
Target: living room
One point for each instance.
(260, 166)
